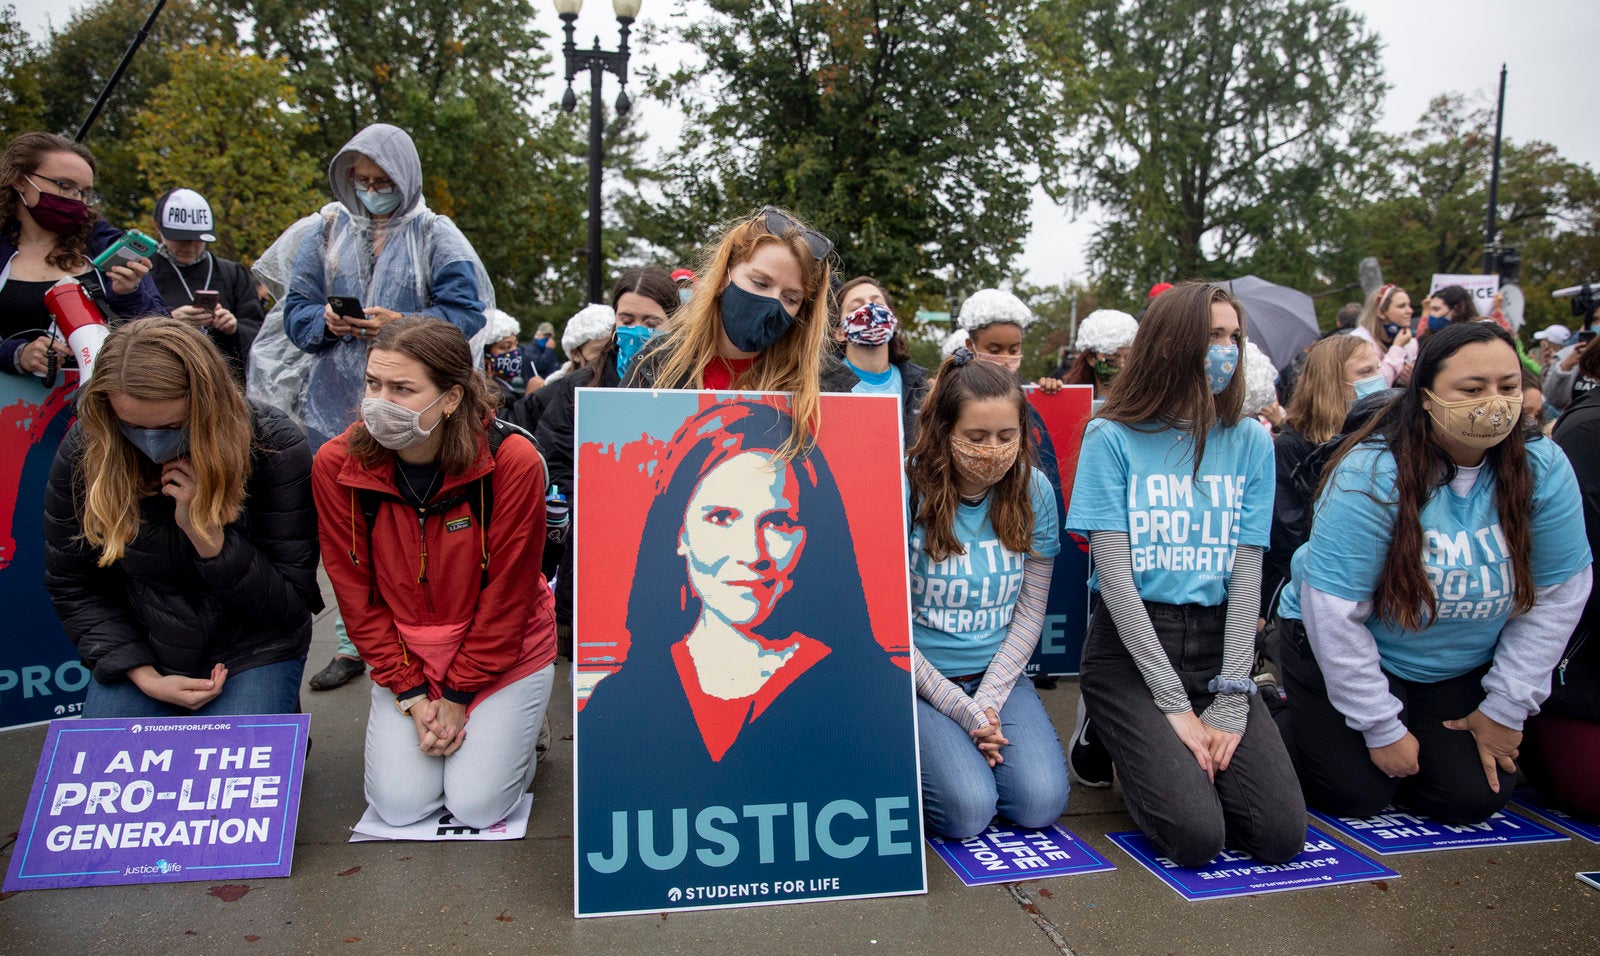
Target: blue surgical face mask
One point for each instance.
(1368, 386)
(1437, 323)
(160, 445)
(630, 339)
(752, 321)
(379, 204)
(506, 365)
(1221, 361)
(1390, 329)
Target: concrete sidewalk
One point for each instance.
(516, 897)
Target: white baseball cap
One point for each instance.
(184, 215)
(1555, 335)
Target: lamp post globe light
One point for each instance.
(597, 61)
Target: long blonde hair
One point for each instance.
(159, 360)
(1371, 317)
(1321, 397)
(792, 364)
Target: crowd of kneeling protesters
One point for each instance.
(1390, 607)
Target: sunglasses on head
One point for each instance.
(780, 224)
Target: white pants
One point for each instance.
(481, 781)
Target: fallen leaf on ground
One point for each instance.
(229, 892)
(353, 869)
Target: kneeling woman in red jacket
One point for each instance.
(433, 526)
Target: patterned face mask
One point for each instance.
(1221, 361)
(1479, 423)
(871, 325)
(983, 464)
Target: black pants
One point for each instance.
(1254, 805)
(1336, 768)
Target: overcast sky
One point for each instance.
(1552, 48)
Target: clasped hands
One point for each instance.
(441, 726)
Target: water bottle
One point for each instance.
(557, 515)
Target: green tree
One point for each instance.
(21, 101)
(458, 77)
(78, 59)
(1210, 129)
(1418, 203)
(910, 133)
(227, 124)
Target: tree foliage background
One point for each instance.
(1208, 138)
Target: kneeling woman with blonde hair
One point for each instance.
(180, 541)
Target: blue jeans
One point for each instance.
(961, 793)
(270, 689)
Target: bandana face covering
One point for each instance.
(983, 464)
(1013, 363)
(1478, 423)
(630, 339)
(871, 325)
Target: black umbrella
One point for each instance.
(1281, 320)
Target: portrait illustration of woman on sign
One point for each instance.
(747, 616)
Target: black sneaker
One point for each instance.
(339, 672)
(1087, 760)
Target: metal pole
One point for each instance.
(116, 75)
(1490, 259)
(596, 131)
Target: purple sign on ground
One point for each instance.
(1325, 862)
(1530, 800)
(999, 855)
(145, 801)
(1396, 831)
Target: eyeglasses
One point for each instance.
(780, 224)
(380, 186)
(69, 189)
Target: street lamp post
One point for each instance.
(597, 62)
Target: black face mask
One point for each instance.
(753, 322)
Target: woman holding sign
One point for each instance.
(983, 545)
(1417, 668)
(432, 517)
(180, 544)
(1175, 492)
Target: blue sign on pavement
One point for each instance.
(1324, 862)
(1396, 831)
(1008, 854)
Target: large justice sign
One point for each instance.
(140, 800)
(745, 728)
(1057, 422)
(40, 676)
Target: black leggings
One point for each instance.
(1336, 769)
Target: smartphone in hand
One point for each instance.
(132, 246)
(206, 300)
(348, 306)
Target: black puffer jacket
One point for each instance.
(162, 604)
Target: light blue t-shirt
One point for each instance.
(961, 606)
(1183, 527)
(1463, 551)
(876, 383)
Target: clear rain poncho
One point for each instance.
(426, 267)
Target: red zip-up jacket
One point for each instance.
(429, 604)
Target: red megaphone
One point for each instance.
(79, 319)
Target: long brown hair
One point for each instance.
(792, 364)
(21, 157)
(931, 470)
(160, 360)
(1154, 391)
(1322, 397)
(1404, 598)
(445, 356)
